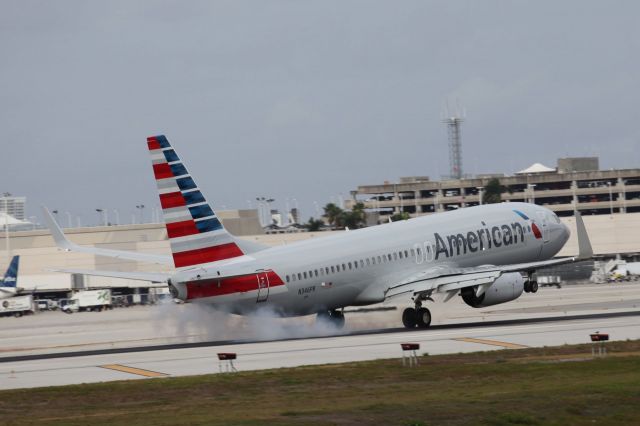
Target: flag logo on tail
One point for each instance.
(195, 233)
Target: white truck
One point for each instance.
(17, 306)
(88, 300)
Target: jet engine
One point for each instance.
(506, 288)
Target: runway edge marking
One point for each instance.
(132, 370)
(491, 342)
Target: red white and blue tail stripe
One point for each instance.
(195, 233)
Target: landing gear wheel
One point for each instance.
(335, 318)
(423, 318)
(533, 286)
(527, 286)
(409, 318)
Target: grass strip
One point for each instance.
(555, 386)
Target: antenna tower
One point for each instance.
(454, 122)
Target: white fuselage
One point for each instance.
(356, 267)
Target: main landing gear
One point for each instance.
(333, 317)
(418, 316)
(530, 285)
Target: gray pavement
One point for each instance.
(368, 336)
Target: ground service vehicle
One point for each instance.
(17, 306)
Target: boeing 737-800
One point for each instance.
(486, 254)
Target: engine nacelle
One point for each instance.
(506, 288)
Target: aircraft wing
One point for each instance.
(63, 243)
(155, 277)
(446, 279)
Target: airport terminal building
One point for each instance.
(576, 183)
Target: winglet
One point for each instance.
(57, 234)
(584, 245)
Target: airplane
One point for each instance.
(486, 254)
(8, 284)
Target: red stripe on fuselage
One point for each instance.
(224, 286)
(181, 229)
(152, 143)
(162, 171)
(206, 255)
(172, 199)
(536, 231)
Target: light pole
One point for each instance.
(260, 213)
(102, 213)
(117, 216)
(480, 194)
(269, 218)
(140, 208)
(69, 220)
(610, 198)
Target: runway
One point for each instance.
(553, 317)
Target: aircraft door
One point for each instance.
(263, 286)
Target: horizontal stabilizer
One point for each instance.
(63, 243)
(138, 276)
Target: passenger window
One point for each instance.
(361, 263)
(355, 264)
(316, 272)
(406, 254)
(418, 250)
(326, 270)
(413, 252)
(304, 274)
(379, 260)
(321, 272)
(333, 270)
(389, 257)
(368, 263)
(400, 255)
(287, 278)
(349, 265)
(299, 276)
(344, 267)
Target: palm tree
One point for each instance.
(332, 213)
(493, 191)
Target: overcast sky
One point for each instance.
(304, 99)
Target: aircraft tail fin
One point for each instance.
(195, 233)
(11, 276)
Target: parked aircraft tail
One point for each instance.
(11, 276)
(195, 232)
